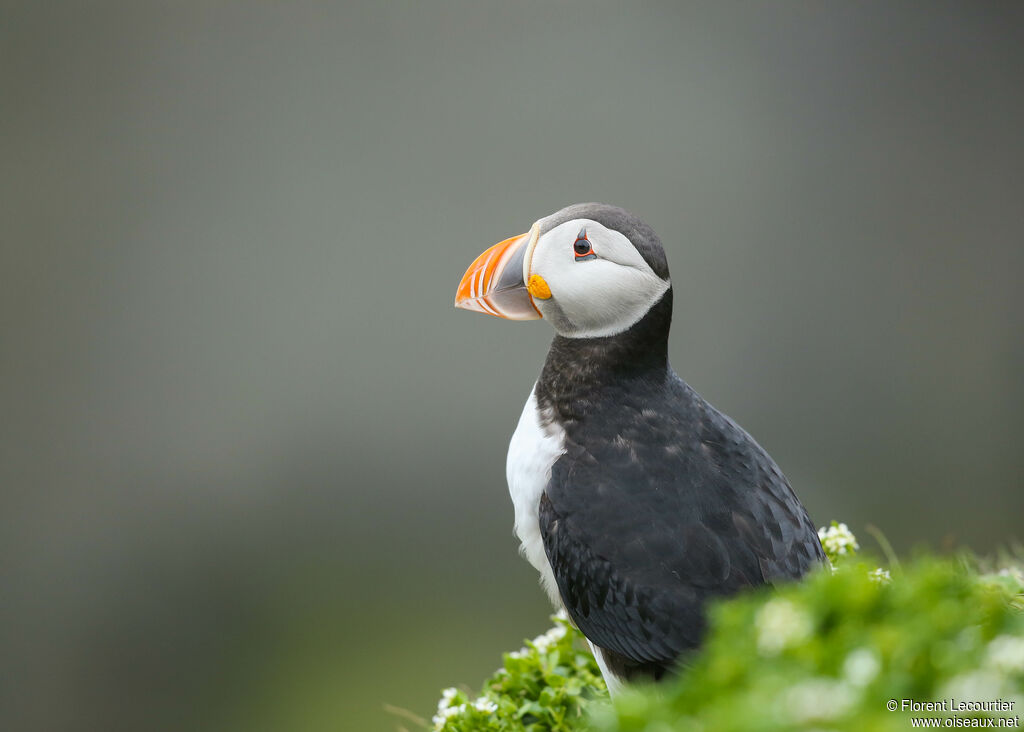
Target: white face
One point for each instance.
(598, 294)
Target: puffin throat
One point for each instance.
(578, 369)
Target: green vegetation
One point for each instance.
(830, 652)
(547, 685)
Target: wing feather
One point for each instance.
(644, 526)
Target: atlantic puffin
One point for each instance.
(635, 499)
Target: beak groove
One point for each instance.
(494, 282)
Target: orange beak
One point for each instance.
(494, 283)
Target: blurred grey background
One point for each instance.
(252, 461)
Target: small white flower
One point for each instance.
(819, 699)
(445, 708)
(483, 704)
(562, 614)
(1012, 572)
(780, 624)
(980, 684)
(861, 666)
(541, 643)
(838, 540)
(443, 715)
(881, 576)
(544, 641)
(521, 653)
(1006, 654)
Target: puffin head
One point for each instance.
(591, 270)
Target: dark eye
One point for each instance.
(582, 248)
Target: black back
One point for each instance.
(659, 503)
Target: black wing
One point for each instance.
(643, 526)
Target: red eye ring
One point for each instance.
(581, 247)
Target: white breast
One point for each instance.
(533, 450)
(531, 453)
